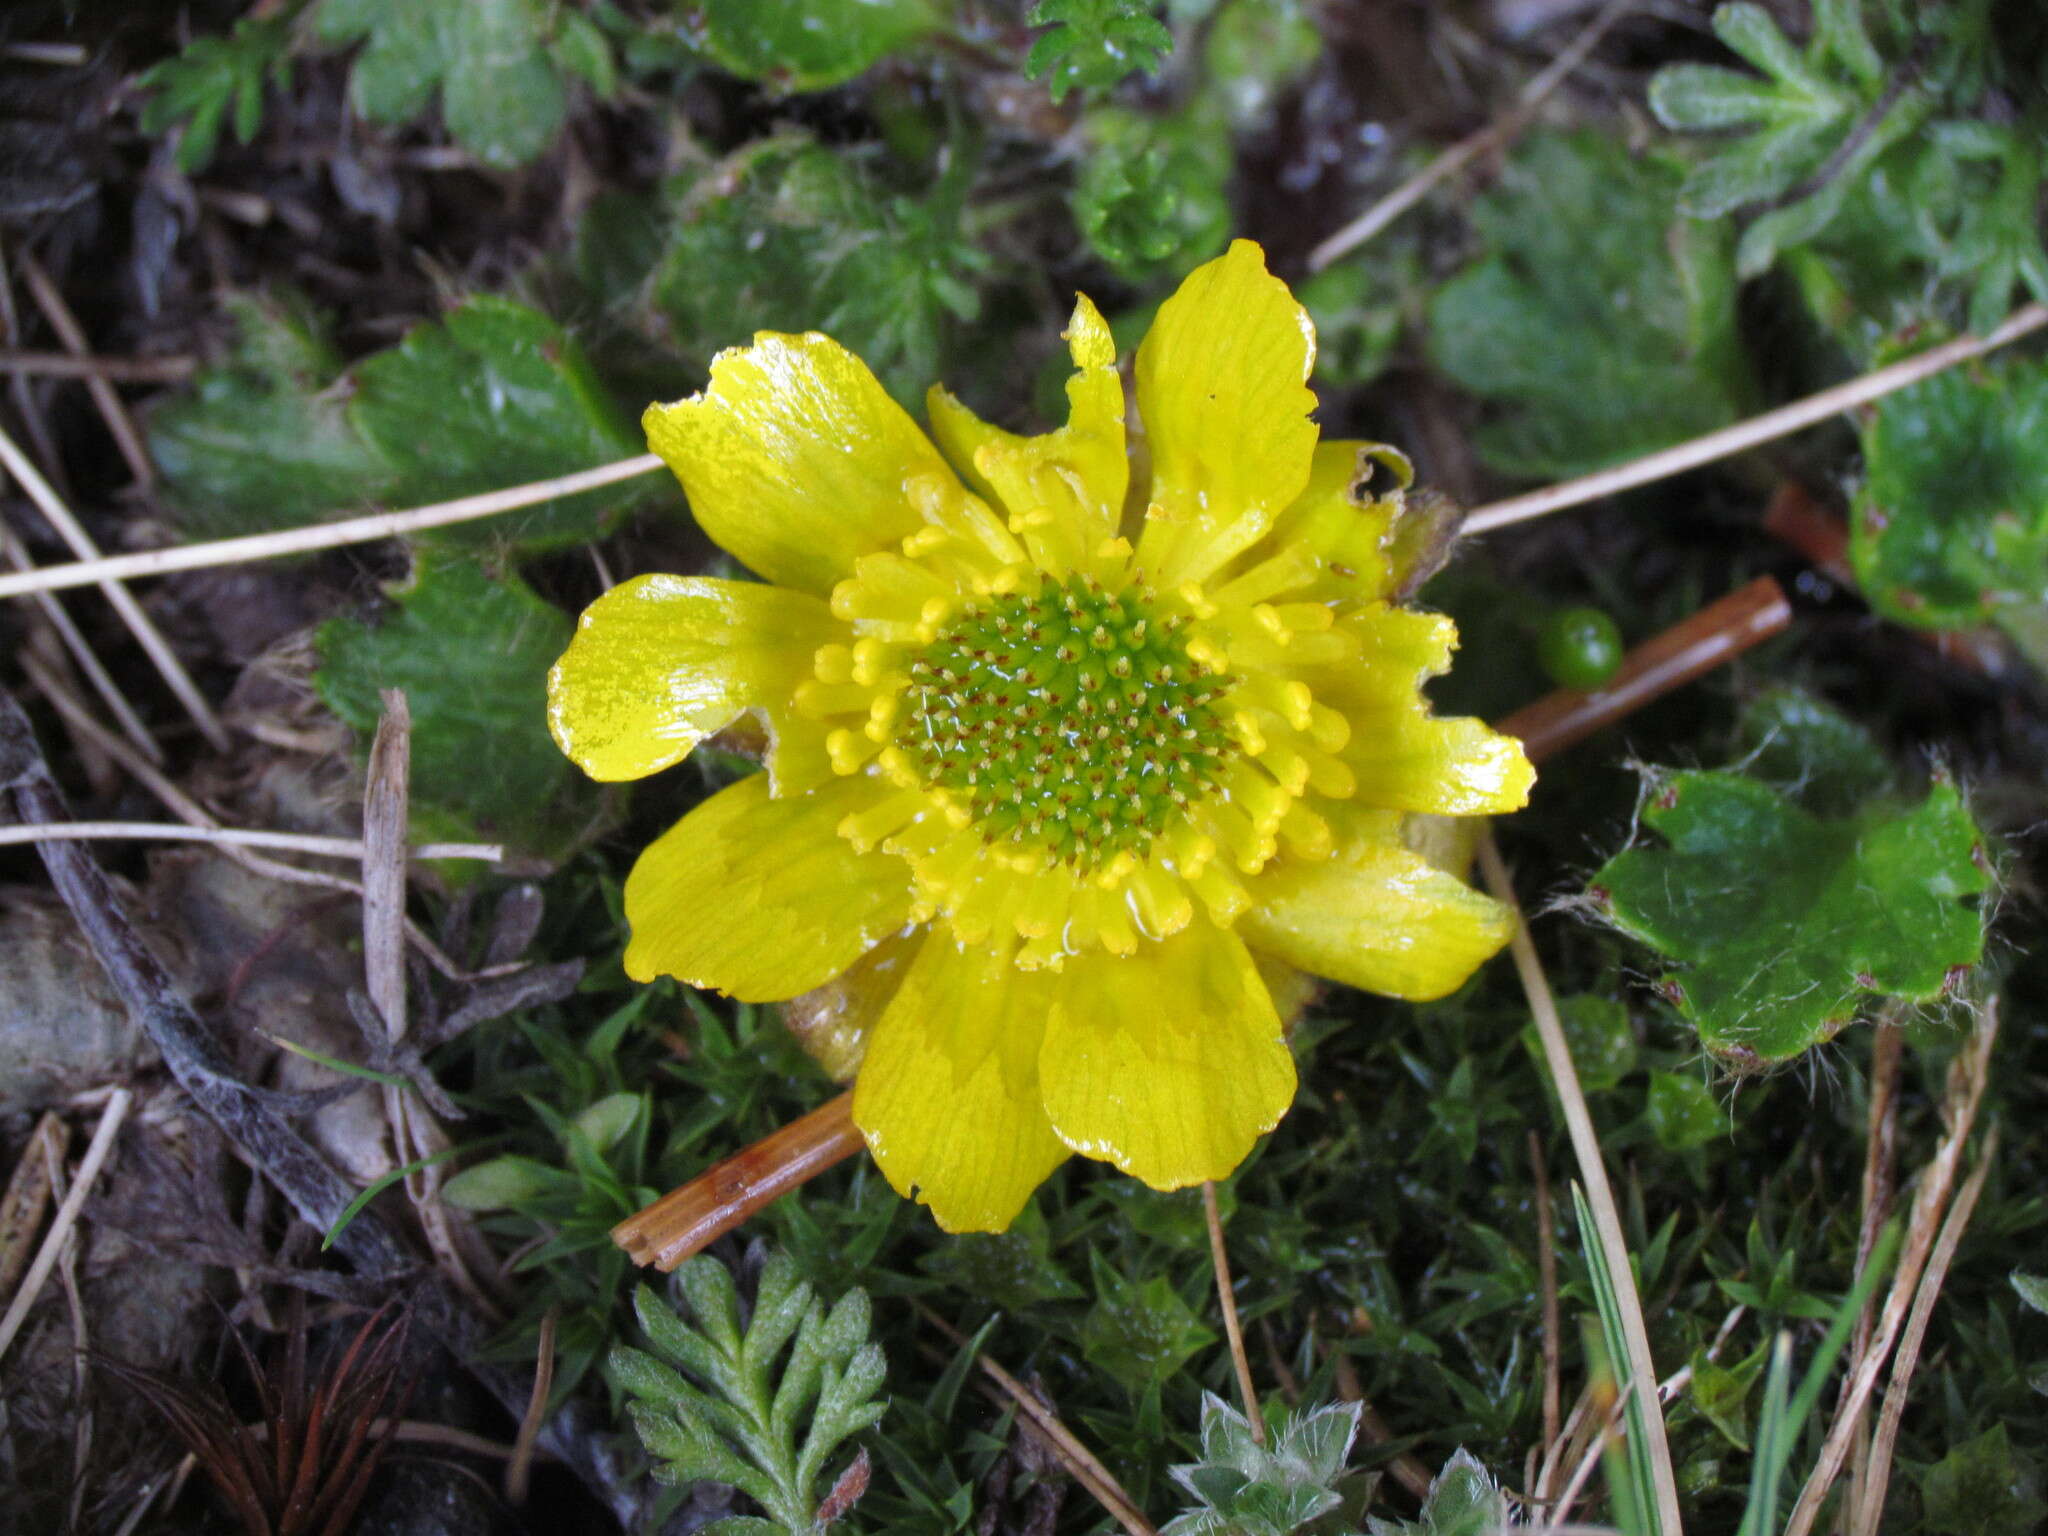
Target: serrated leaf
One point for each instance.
(496, 394)
(1582, 239)
(1783, 922)
(472, 653)
(1093, 45)
(646, 1377)
(217, 82)
(262, 441)
(501, 85)
(806, 45)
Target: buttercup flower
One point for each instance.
(1081, 761)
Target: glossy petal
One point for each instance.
(796, 460)
(948, 1095)
(1406, 758)
(1078, 473)
(1223, 394)
(762, 898)
(1169, 1062)
(1345, 518)
(1375, 915)
(660, 662)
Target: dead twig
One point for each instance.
(1546, 1270)
(67, 1214)
(106, 400)
(245, 837)
(1887, 1052)
(519, 1465)
(75, 365)
(28, 1196)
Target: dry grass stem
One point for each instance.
(1869, 1493)
(1232, 1330)
(105, 398)
(1599, 1195)
(1546, 1269)
(1735, 439)
(120, 370)
(1887, 1051)
(67, 1214)
(1968, 1076)
(334, 535)
(28, 1196)
(1496, 135)
(1608, 1417)
(519, 1465)
(246, 837)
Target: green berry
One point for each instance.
(1579, 647)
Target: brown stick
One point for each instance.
(1227, 1299)
(1716, 634)
(686, 1219)
(121, 370)
(1546, 1269)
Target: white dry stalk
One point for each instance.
(334, 535)
(246, 837)
(1782, 422)
(1585, 1140)
(147, 635)
(67, 1214)
(1493, 136)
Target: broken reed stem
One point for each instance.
(692, 1215)
(67, 1214)
(146, 634)
(1743, 435)
(1494, 135)
(1869, 1494)
(1578, 1119)
(350, 848)
(335, 535)
(1227, 1299)
(1968, 1077)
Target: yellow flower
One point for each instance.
(1080, 762)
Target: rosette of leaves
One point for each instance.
(1583, 239)
(1803, 130)
(1950, 525)
(1243, 1488)
(717, 1400)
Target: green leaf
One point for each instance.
(498, 65)
(1683, 1113)
(495, 395)
(806, 45)
(1601, 1039)
(2033, 1289)
(472, 653)
(504, 1183)
(1951, 523)
(1783, 922)
(1463, 1500)
(1153, 199)
(1721, 1393)
(1139, 1331)
(214, 82)
(1980, 1488)
(1094, 44)
(1246, 1489)
(1805, 747)
(1581, 239)
(263, 441)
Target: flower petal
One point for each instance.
(796, 460)
(1169, 1062)
(948, 1094)
(1406, 758)
(762, 898)
(660, 662)
(1375, 915)
(1345, 525)
(1222, 392)
(1077, 474)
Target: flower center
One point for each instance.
(1072, 719)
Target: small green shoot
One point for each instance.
(1247, 1489)
(1094, 44)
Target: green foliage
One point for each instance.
(1812, 752)
(1981, 1488)
(1951, 522)
(1141, 1331)
(217, 81)
(1094, 44)
(263, 440)
(1463, 1500)
(1583, 239)
(472, 653)
(1360, 307)
(1783, 921)
(1579, 647)
(712, 1403)
(806, 45)
(1683, 1112)
(1597, 1031)
(496, 394)
(1153, 197)
(792, 236)
(1243, 1488)
(501, 67)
